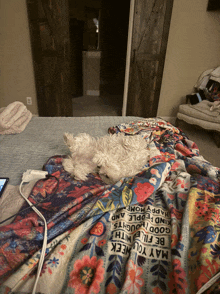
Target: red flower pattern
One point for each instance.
(111, 289)
(43, 187)
(84, 241)
(174, 240)
(101, 242)
(143, 191)
(157, 290)
(87, 275)
(207, 272)
(166, 156)
(181, 183)
(133, 281)
(177, 283)
(98, 229)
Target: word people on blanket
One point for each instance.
(157, 231)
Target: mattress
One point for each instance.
(155, 232)
(43, 138)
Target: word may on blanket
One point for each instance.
(156, 232)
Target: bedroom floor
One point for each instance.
(110, 106)
(204, 141)
(96, 106)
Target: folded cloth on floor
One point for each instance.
(199, 113)
(14, 118)
(215, 106)
(205, 107)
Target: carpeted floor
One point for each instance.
(204, 141)
(103, 106)
(95, 106)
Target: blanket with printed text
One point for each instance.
(157, 232)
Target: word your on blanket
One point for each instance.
(144, 230)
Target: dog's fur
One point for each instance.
(112, 156)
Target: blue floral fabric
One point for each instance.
(156, 232)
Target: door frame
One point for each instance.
(51, 56)
(128, 57)
(129, 105)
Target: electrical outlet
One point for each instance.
(29, 101)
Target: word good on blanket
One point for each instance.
(112, 156)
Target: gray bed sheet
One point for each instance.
(43, 138)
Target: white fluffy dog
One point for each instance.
(112, 156)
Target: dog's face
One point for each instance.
(108, 169)
(109, 173)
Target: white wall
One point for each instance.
(193, 46)
(17, 76)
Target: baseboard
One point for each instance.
(171, 119)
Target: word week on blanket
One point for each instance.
(137, 228)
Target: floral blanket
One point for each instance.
(157, 232)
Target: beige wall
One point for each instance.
(193, 46)
(17, 76)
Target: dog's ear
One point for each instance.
(99, 158)
(68, 139)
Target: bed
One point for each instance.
(157, 232)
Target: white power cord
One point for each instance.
(209, 283)
(27, 177)
(30, 175)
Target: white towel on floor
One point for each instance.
(14, 118)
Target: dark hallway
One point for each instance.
(106, 75)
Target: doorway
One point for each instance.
(63, 31)
(98, 45)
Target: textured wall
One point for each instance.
(193, 46)
(17, 76)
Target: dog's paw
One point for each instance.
(99, 158)
(83, 169)
(68, 165)
(80, 177)
(78, 171)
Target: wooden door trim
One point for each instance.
(32, 10)
(141, 54)
(128, 57)
(52, 86)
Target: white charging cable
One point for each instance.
(27, 177)
(209, 283)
